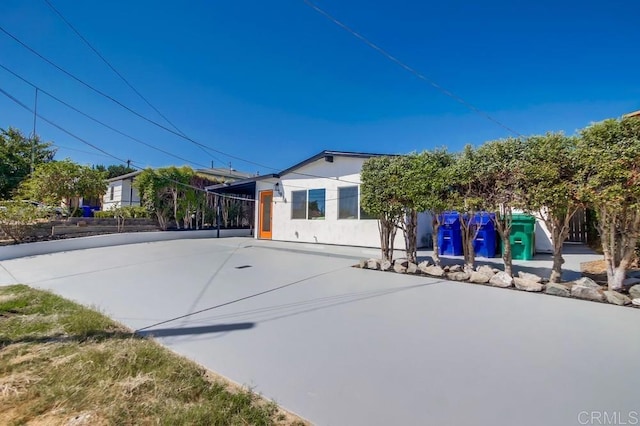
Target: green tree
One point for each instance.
(550, 187)
(114, 170)
(174, 193)
(408, 194)
(433, 189)
(57, 182)
(17, 219)
(495, 175)
(610, 155)
(381, 177)
(467, 198)
(15, 158)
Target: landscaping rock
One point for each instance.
(529, 277)
(588, 293)
(397, 267)
(634, 292)
(401, 261)
(385, 265)
(455, 268)
(496, 270)
(616, 298)
(527, 285)
(458, 276)
(373, 264)
(486, 270)
(557, 289)
(412, 268)
(636, 302)
(479, 277)
(629, 282)
(424, 264)
(501, 279)
(433, 270)
(587, 282)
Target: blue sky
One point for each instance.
(276, 82)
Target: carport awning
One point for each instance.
(241, 187)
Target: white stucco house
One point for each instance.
(316, 201)
(120, 192)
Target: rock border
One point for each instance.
(582, 289)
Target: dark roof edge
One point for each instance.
(241, 181)
(125, 176)
(326, 153)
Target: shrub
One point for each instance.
(128, 212)
(17, 219)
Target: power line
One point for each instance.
(111, 98)
(106, 153)
(111, 67)
(149, 119)
(412, 70)
(98, 121)
(56, 145)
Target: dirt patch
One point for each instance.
(596, 270)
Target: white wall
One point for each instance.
(122, 195)
(331, 230)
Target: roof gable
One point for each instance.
(328, 156)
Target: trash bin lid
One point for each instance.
(523, 218)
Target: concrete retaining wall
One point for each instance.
(81, 243)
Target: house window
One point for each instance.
(299, 204)
(348, 202)
(111, 193)
(316, 204)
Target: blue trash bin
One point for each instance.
(484, 243)
(86, 211)
(449, 235)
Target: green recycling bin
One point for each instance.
(522, 237)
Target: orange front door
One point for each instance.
(265, 214)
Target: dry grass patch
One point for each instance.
(61, 363)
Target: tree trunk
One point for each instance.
(507, 254)
(468, 235)
(435, 226)
(410, 230)
(619, 234)
(174, 195)
(557, 240)
(503, 224)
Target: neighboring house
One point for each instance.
(121, 192)
(224, 174)
(316, 201)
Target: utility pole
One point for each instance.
(33, 136)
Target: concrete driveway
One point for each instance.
(344, 346)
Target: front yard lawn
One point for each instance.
(62, 363)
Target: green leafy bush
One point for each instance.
(17, 219)
(128, 212)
